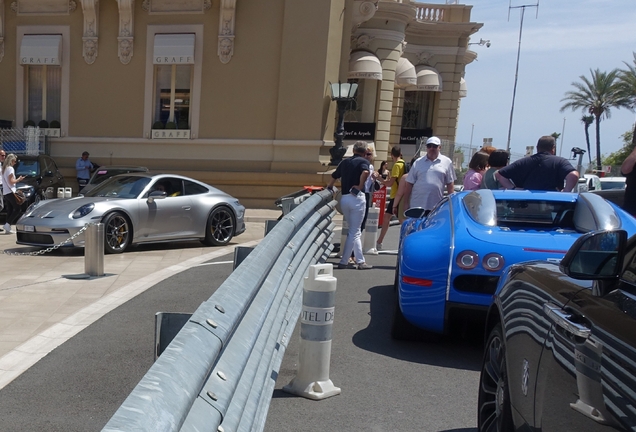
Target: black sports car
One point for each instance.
(41, 179)
(561, 342)
(103, 173)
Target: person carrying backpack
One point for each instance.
(398, 170)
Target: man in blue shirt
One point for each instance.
(84, 168)
(542, 171)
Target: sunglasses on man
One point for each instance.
(431, 145)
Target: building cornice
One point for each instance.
(432, 49)
(379, 34)
(403, 12)
(443, 29)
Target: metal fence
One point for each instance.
(219, 371)
(31, 140)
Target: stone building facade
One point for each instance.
(235, 93)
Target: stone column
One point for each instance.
(389, 52)
(396, 122)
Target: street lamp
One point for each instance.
(342, 93)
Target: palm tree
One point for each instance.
(587, 121)
(596, 96)
(627, 88)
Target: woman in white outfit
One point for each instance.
(9, 181)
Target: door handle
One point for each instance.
(563, 320)
(186, 207)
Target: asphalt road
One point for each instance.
(386, 385)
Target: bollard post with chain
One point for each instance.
(51, 248)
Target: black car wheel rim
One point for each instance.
(493, 398)
(221, 225)
(117, 233)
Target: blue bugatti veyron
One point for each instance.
(449, 262)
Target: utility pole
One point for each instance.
(562, 132)
(514, 89)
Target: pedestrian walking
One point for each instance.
(353, 173)
(429, 176)
(398, 170)
(9, 181)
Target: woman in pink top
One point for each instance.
(476, 168)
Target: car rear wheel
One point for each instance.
(495, 413)
(118, 233)
(220, 227)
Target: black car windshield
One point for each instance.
(532, 213)
(126, 187)
(29, 168)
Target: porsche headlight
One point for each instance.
(83, 211)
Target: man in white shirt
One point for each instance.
(428, 177)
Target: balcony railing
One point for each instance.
(432, 13)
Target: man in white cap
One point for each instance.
(428, 177)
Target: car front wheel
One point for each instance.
(118, 233)
(220, 227)
(495, 413)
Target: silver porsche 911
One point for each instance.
(137, 208)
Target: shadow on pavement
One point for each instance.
(459, 350)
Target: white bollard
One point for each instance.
(60, 192)
(371, 231)
(343, 236)
(316, 322)
(68, 192)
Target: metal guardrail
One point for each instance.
(220, 370)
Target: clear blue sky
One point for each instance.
(565, 41)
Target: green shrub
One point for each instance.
(171, 125)
(29, 123)
(157, 125)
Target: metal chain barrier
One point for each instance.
(51, 248)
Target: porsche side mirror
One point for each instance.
(156, 195)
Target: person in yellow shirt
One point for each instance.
(398, 170)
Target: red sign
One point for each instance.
(379, 198)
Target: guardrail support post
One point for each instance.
(94, 250)
(316, 322)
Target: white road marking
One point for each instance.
(16, 362)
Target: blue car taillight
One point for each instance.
(467, 259)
